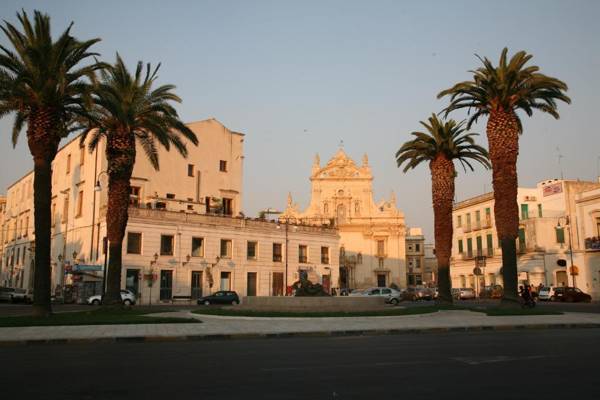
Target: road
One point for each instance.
(479, 365)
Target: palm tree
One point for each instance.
(129, 111)
(43, 82)
(441, 144)
(499, 92)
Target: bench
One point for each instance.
(181, 298)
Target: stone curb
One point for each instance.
(283, 335)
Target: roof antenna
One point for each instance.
(560, 156)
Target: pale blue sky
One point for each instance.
(365, 72)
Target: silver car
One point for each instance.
(127, 296)
(547, 294)
(463, 293)
(392, 296)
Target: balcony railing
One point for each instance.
(592, 243)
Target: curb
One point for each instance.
(285, 335)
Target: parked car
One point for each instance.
(21, 296)
(547, 294)
(6, 293)
(127, 296)
(571, 294)
(392, 296)
(419, 293)
(491, 292)
(220, 297)
(463, 293)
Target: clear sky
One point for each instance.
(297, 77)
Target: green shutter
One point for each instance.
(470, 246)
(522, 239)
(524, 211)
(477, 215)
(560, 235)
(490, 244)
(460, 246)
(479, 244)
(540, 211)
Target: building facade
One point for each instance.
(372, 234)
(206, 183)
(550, 231)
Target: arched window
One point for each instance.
(341, 214)
(340, 193)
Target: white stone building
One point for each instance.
(197, 197)
(373, 235)
(542, 247)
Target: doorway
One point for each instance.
(132, 281)
(251, 284)
(225, 280)
(381, 280)
(196, 284)
(277, 283)
(561, 278)
(166, 284)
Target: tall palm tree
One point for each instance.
(45, 85)
(441, 144)
(129, 111)
(499, 91)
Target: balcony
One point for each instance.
(486, 224)
(477, 225)
(468, 255)
(467, 228)
(592, 243)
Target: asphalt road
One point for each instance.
(479, 365)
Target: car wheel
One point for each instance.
(96, 302)
(394, 302)
(234, 302)
(127, 302)
(206, 302)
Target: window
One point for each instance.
(81, 155)
(134, 196)
(68, 163)
(540, 214)
(79, 204)
(227, 208)
(251, 250)
(469, 247)
(479, 245)
(23, 256)
(381, 263)
(134, 243)
(324, 255)
(222, 165)
(225, 248)
(560, 235)
(166, 245)
(18, 255)
(524, 211)
(459, 221)
(477, 215)
(417, 262)
(191, 170)
(488, 215)
(197, 247)
(381, 248)
(170, 196)
(490, 245)
(417, 247)
(65, 215)
(302, 254)
(277, 252)
(522, 245)
(26, 227)
(468, 221)
(359, 258)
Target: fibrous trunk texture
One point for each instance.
(442, 193)
(503, 138)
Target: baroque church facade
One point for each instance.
(372, 234)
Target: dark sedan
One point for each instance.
(571, 294)
(220, 297)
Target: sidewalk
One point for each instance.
(220, 327)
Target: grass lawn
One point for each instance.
(93, 317)
(316, 314)
(490, 311)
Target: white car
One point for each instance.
(546, 294)
(392, 296)
(127, 296)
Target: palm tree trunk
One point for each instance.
(503, 139)
(120, 154)
(116, 221)
(43, 145)
(442, 193)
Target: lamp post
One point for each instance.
(568, 225)
(97, 188)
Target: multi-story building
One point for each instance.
(180, 201)
(543, 242)
(415, 256)
(372, 234)
(430, 271)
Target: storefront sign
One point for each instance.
(86, 268)
(553, 189)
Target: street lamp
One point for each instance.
(567, 223)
